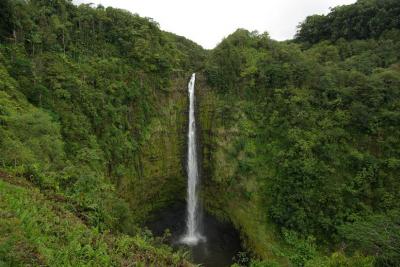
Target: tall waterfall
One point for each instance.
(192, 235)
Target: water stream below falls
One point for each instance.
(212, 243)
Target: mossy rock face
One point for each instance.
(159, 175)
(230, 190)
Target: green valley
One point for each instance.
(298, 140)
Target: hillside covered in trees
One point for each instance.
(91, 115)
(299, 139)
(303, 137)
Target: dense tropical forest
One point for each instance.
(91, 125)
(299, 139)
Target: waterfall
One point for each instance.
(192, 235)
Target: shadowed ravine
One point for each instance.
(223, 241)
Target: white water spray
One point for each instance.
(192, 235)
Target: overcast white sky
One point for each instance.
(208, 21)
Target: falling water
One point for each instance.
(192, 235)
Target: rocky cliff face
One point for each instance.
(228, 149)
(159, 177)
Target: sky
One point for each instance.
(207, 22)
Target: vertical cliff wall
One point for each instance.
(230, 171)
(158, 178)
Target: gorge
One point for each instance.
(211, 243)
(125, 145)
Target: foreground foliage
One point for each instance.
(39, 229)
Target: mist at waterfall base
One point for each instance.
(211, 243)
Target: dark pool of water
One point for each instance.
(222, 239)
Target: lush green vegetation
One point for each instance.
(84, 90)
(92, 109)
(39, 229)
(303, 137)
(362, 20)
(299, 139)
